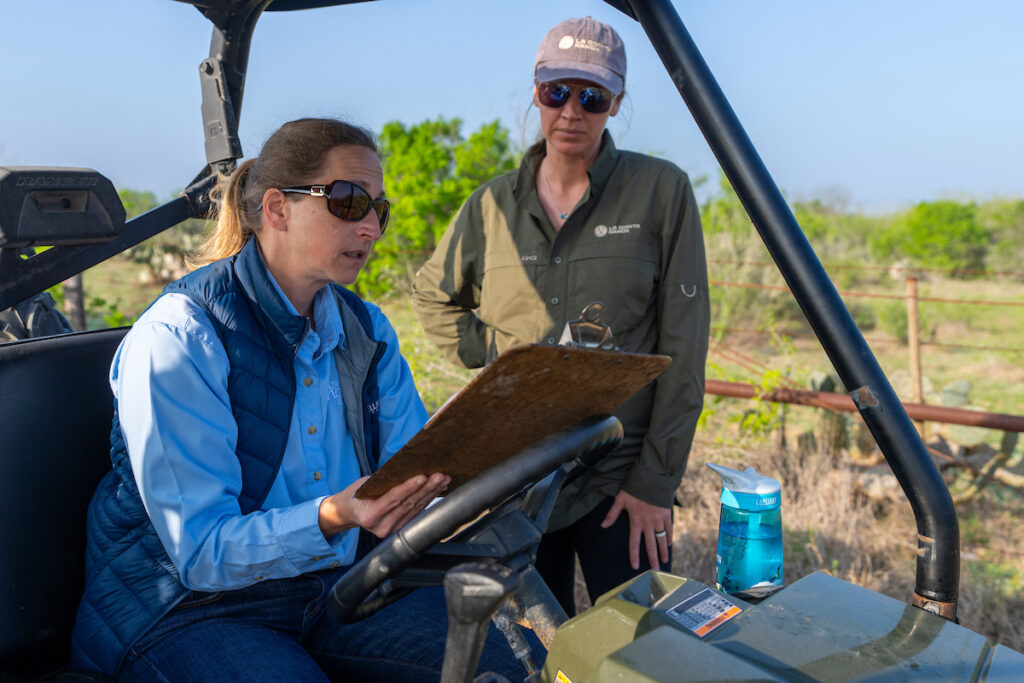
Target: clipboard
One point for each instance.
(525, 394)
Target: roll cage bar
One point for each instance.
(222, 79)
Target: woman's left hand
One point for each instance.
(384, 515)
(652, 523)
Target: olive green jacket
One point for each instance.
(502, 276)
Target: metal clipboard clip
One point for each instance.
(588, 331)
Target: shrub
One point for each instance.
(429, 171)
(943, 234)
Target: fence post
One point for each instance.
(914, 343)
(74, 302)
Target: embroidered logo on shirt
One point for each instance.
(334, 392)
(602, 230)
(528, 257)
(373, 407)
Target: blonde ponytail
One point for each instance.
(234, 226)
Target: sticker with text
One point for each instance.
(703, 612)
(561, 677)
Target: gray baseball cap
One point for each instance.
(583, 48)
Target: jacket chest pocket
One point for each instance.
(510, 299)
(622, 274)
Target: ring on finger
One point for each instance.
(660, 534)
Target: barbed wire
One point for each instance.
(749, 363)
(827, 266)
(873, 340)
(872, 295)
(886, 268)
(737, 358)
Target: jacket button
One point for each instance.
(554, 299)
(334, 564)
(318, 558)
(558, 259)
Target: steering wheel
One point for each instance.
(586, 442)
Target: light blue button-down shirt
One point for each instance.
(170, 380)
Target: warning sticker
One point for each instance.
(703, 612)
(561, 677)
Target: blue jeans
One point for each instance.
(278, 630)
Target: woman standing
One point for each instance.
(252, 399)
(581, 221)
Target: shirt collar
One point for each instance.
(599, 171)
(603, 165)
(325, 312)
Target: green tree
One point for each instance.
(839, 238)
(1004, 219)
(429, 171)
(942, 234)
(737, 255)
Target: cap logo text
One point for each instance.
(568, 42)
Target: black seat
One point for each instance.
(55, 412)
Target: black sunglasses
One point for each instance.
(347, 201)
(593, 99)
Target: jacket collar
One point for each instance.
(525, 181)
(285, 329)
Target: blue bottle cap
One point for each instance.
(752, 502)
(748, 490)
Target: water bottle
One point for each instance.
(749, 534)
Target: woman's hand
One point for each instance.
(383, 515)
(651, 522)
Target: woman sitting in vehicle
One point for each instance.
(252, 399)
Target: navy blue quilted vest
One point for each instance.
(130, 580)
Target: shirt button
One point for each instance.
(334, 564)
(318, 558)
(308, 381)
(558, 259)
(554, 299)
(317, 476)
(259, 578)
(312, 429)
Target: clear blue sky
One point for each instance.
(884, 102)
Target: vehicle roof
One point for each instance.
(275, 6)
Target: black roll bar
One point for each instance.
(222, 79)
(938, 561)
(22, 279)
